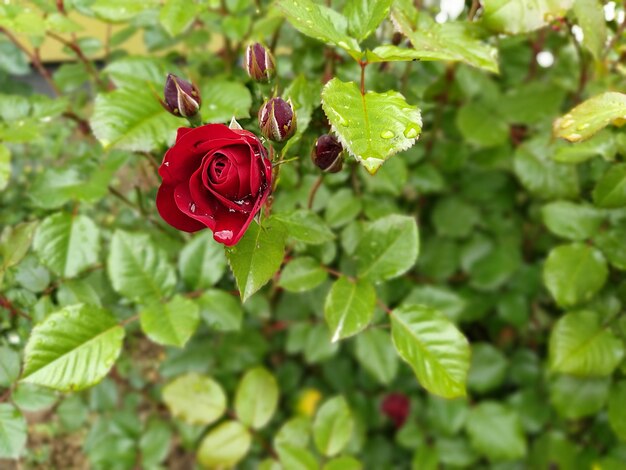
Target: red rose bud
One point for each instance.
(396, 407)
(181, 97)
(327, 154)
(277, 119)
(259, 63)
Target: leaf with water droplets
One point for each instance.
(522, 16)
(372, 127)
(321, 23)
(590, 116)
(257, 256)
(349, 307)
(73, 348)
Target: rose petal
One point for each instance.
(198, 210)
(169, 211)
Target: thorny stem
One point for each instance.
(313, 191)
(6, 303)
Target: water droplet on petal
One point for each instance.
(192, 208)
(224, 235)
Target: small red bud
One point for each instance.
(259, 63)
(277, 120)
(327, 154)
(181, 97)
(396, 407)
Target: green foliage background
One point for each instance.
(477, 270)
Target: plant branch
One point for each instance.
(73, 45)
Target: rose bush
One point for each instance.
(214, 177)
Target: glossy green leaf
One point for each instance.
(580, 345)
(257, 257)
(522, 16)
(132, 119)
(115, 11)
(617, 410)
(373, 126)
(177, 15)
(225, 445)
(302, 274)
(67, 244)
(319, 22)
(306, 226)
(610, 191)
(195, 399)
(256, 398)
(496, 432)
(364, 16)
(349, 307)
(296, 458)
(575, 398)
(570, 220)
(138, 269)
(574, 273)
(435, 349)
(15, 242)
(611, 243)
(375, 353)
(220, 310)
(333, 426)
(388, 248)
(170, 323)
(223, 100)
(590, 116)
(202, 262)
(73, 348)
(12, 432)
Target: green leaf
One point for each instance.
(116, 11)
(67, 244)
(5, 166)
(155, 443)
(575, 398)
(321, 23)
(15, 242)
(296, 458)
(344, 209)
(318, 346)
(256, 398)
(388, 248)
(522, 16)
(73, 348)
(590, 116)
(376, 354)
(170, 323)
(452, 41)
(574, 273)
(302, 274)
(480, 124)
(9, 366)
(202, 262)
(349, 307)
(488, 368)
(223, 100)
(590, 16)
(435, 349)
(220, 310)
(364, 16)
(137, 71)
(137, 269)
(570, 220)
(195, 399)
(13, 431)
(257, 257)
(225, 445)
(343, 463)
(496, 432)
(454, 217)
(373, 126)
(177, 15)
(603, 144)
(333, 425)
(610, 191)
(617, 410)
(611, 242)
(580, 345)
(132, 119)
(306, 226)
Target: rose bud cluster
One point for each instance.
(181, 97)
(327, 154)
(277, 120)
(259, 63)
(396, 407)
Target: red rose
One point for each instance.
(215, 177)
(397, 407)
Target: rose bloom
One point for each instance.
(215, 177)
